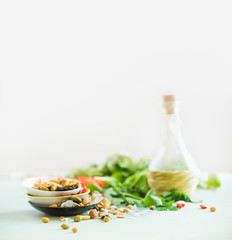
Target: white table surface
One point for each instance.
(18, 220)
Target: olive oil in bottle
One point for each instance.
(173, 166)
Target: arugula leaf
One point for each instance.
(166, 208)
(109, 181)
(94, 187)
(133, 201)
(111, 194)
(151, 199)
(117, 163)
(91, 171)
(137, 183)
(120, 176)
(175, 195)
(213, 181)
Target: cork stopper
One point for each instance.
(169, 103)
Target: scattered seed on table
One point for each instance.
(85, 217)
(106, 219)
(212, 209)
(114, 212)
(65, 226)
(126, 210)
(77, 218)
(120, 210)
(45, 220)
(93, 213)
(129, 206)
(74, 229)
(152, 207)
(121, 215)
(61, 218)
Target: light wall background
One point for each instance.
(81, 80)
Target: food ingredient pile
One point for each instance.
(123, 180)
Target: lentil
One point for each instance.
(74, 229)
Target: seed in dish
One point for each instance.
(76, 201)
(57, 184)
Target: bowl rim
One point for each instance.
(78, 194)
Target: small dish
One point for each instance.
(53, 200)
(29, 183)
(62, 211)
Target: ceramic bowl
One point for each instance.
(62, 211)
(29, 183)
(46, 201)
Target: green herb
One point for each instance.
(126, 183)
(122, 172)
(211, 183)
(91, 171)
(175, 195)
(151, 199)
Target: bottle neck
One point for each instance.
(173, 124)
(173, 155)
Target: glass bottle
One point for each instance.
(173, 166)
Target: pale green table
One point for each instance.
(18, 220)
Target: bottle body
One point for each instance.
(173, 166)
(183, 181)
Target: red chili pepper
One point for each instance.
(90, 180)
(73, 193)
(203, 206)
(63, 195)
(182, 204)
(179, 205)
